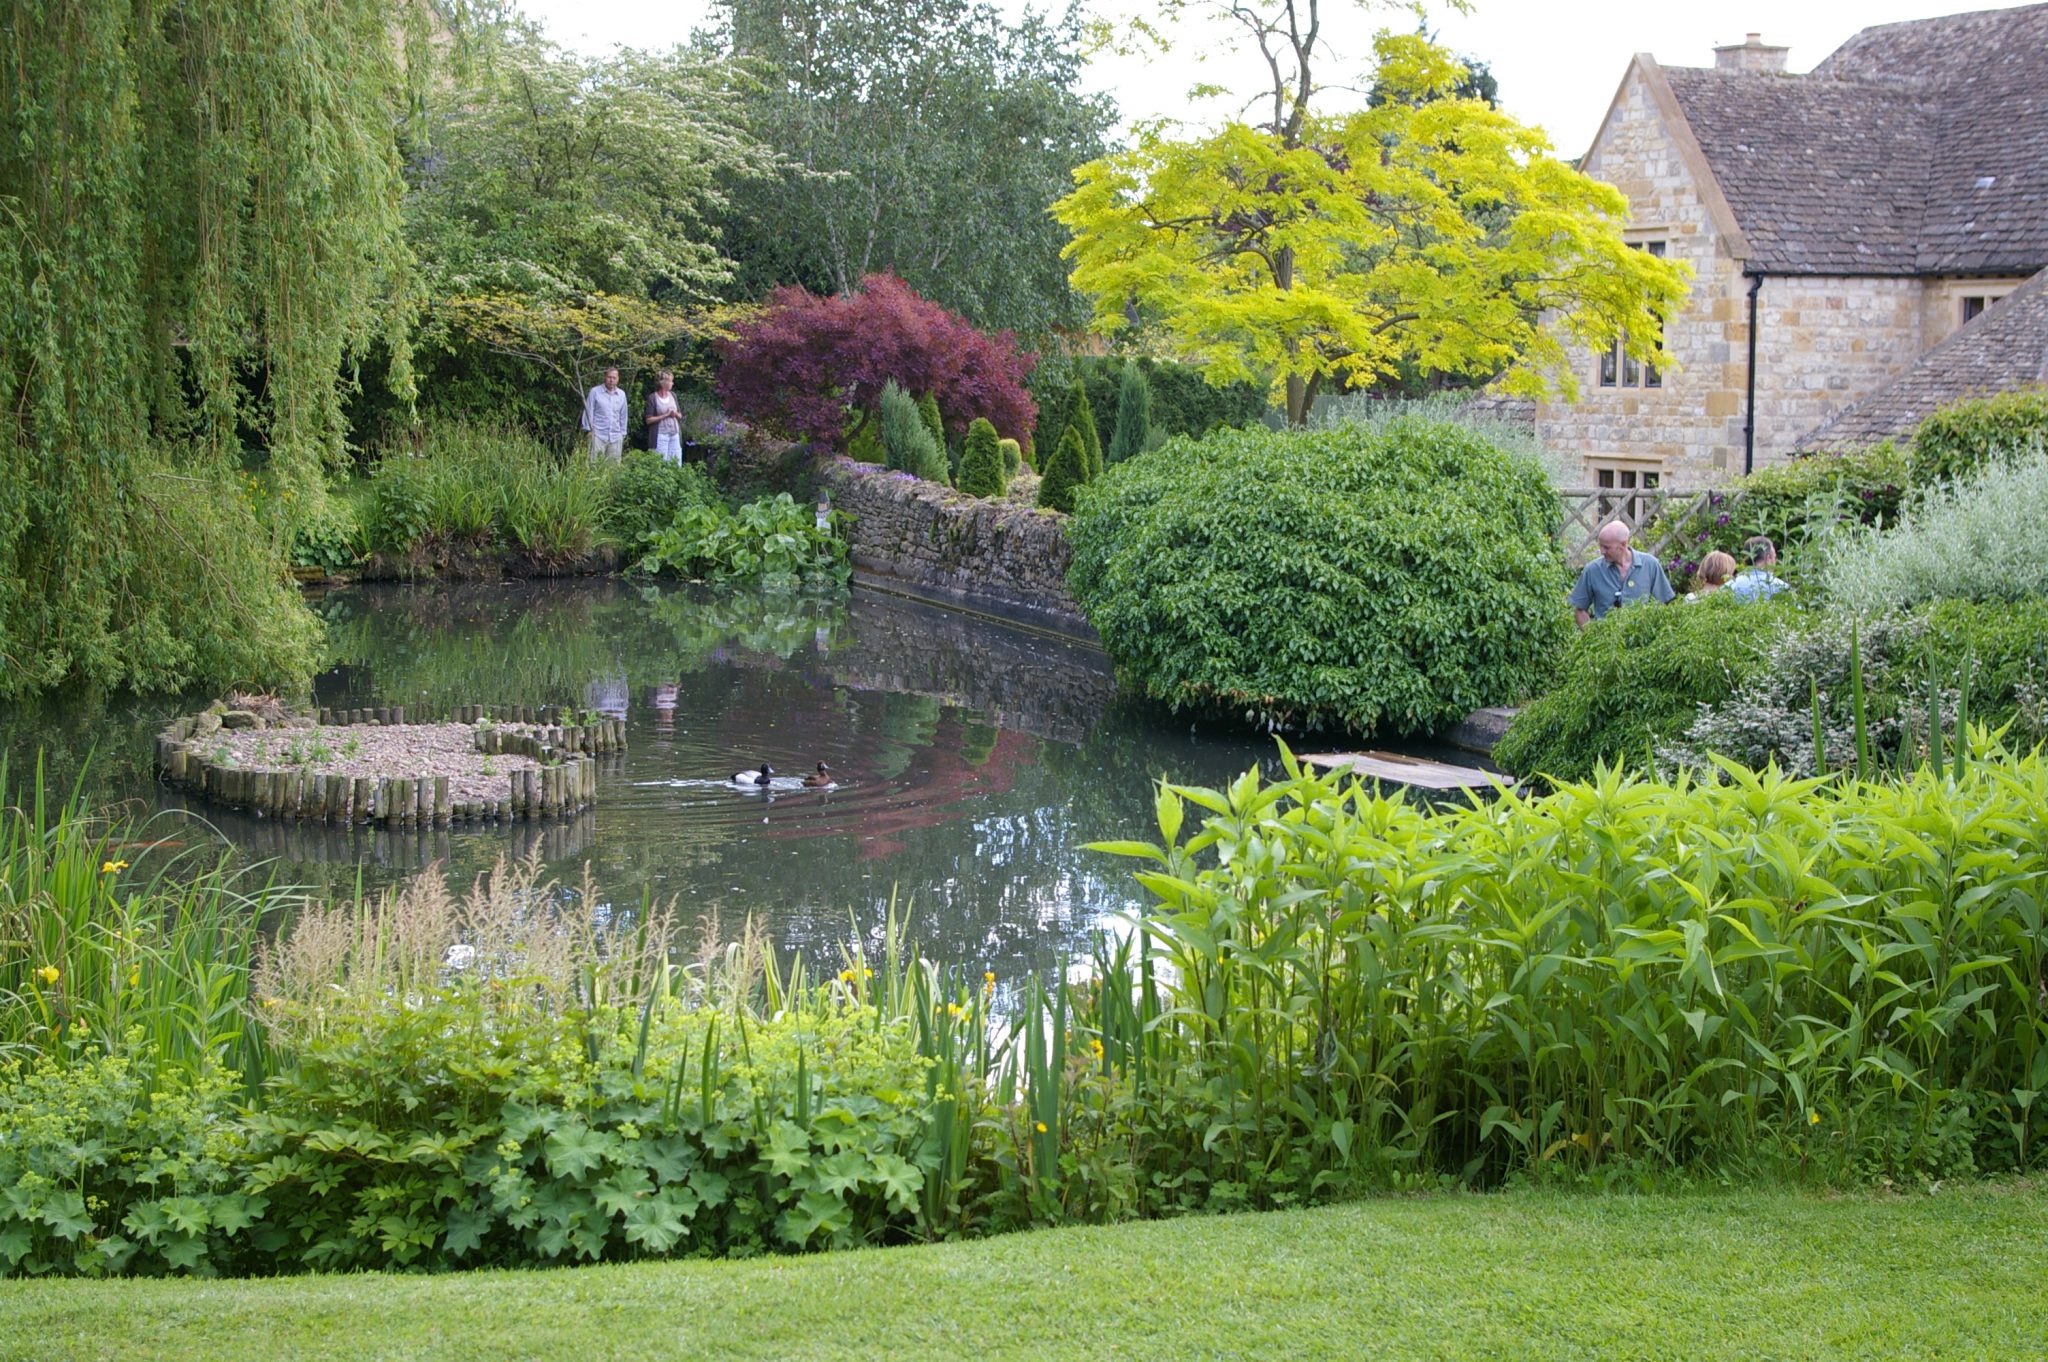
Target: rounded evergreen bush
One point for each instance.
(1962, 437)
(1635, 681)
(1387, 579)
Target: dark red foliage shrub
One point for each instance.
(802, 364)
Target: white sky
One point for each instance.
(1557, 61)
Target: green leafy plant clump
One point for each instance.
(774, 540)
(648, 492)
(1976, 538)
(1393, 578)
(1635, 682)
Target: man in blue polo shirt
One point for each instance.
(1619, 576)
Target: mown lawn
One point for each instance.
(1960, 1274)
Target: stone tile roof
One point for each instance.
(1915, 148)
(2006, 347)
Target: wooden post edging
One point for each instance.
(565, 743)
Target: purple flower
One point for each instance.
(1721, 519)
(1713, 498)
(1702, 536)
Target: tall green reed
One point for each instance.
(95, 949)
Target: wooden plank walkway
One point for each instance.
(1416, 771)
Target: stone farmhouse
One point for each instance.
(1862, 239)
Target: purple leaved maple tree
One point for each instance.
(806, 361)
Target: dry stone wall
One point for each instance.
(994, 556)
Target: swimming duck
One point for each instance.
(764, 776)
(820, 778)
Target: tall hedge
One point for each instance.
(1388, 579)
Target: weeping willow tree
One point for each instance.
(200, 231)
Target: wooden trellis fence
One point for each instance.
(1586, 509)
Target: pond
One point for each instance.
(976, 759)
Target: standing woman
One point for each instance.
(663, 415)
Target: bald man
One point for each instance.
(1621, 575)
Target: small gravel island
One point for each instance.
(424, 766)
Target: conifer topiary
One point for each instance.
(1082, 424)
(1066, 470)
(908, 439)
(1013, 459)
(981, 462)
(1133, 416)
(928, 411)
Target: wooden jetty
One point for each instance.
(1419, 772)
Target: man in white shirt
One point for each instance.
(604, 416)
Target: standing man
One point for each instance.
(1619, 576)
(1757, 582)
(604, 416)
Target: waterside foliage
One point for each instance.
(1332, 993)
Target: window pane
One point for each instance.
(1655, 248)
(1972, 307)
(1653, 480)
(1607, 367)
(1628, 477)
(1651, 378)
(1604, 477)
(1631, 372)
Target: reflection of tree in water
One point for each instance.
(551, 642)
(976, 759)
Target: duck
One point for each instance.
(764, 776)
(820, 779)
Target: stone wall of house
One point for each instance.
(1822, 343)
(997, 557)
(1684, 429)
(1941, 304)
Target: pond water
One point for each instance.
(976, 758)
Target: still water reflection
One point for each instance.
(976, 759)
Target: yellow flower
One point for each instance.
(134, 977)
(1813, 1118)
(50, 974)
(1096, 1046)
(867, 974)
(110, 867)
(952, 1009)
(273, 1002)
(1041, 1127)
(846, 976)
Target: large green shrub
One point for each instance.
(1960, 438)
(907, 439)
(1980, 537)
(1133, 416)
(1792, 505)
(1393, 579)
(981, 462)
(1634, 682)
(1065, 471)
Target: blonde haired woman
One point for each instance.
(665, 416)
(1715, 570)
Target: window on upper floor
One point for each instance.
(1617, 369)
(1974, 304)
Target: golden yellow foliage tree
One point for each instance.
(1427, 228)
